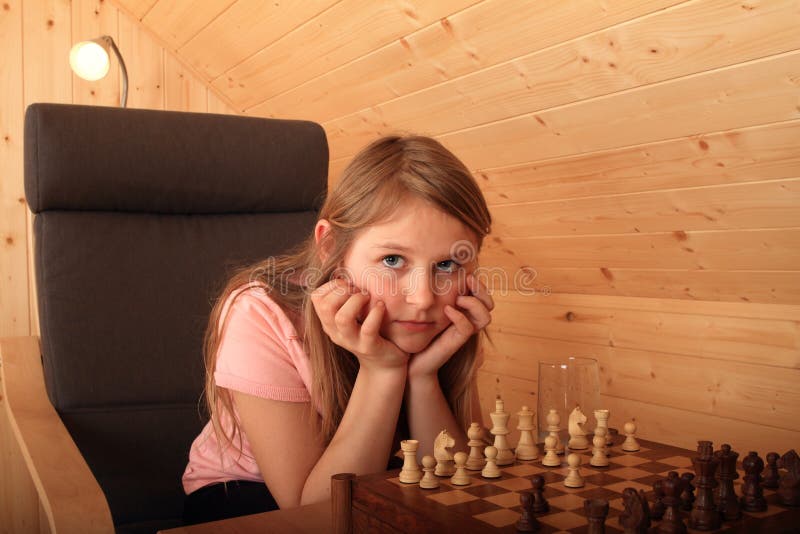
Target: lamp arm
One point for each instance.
(113, 45)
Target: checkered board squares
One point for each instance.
(493, 505)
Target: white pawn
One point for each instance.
(461, 478)
(526, 448)
(476, 461)
(630, 444)
(553, 422)
(491, 470)
(505, 456)
(550, 459)
(410, 474)
(574, 478)
(602, 422)
(429, 480)
(599, 458)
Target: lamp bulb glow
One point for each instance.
(89, 60)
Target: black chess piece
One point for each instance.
(752, 493)
(540, 505)
(727, 501)
(672, 523)
(657, 512)
(704, 515)
(789, 485)
(596, 512)
(636, 517)
(771, 476)
(527, 521)
(687, 497)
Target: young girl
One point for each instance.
(319, 362)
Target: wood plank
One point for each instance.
(655, 422)
(90, 20)
(217, 48)
(145, 65)
(182, 91)
(482, 35)
(745, 340)
(725, 309)
(757, 153)
(770, 287)
(723, 207)
(46, 41)
(751, 250)
(326, 42)
(684, 40)
(177, 21)
(748, 94)
(13, 227)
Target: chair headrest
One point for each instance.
(134, 160)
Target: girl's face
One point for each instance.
(416, 263)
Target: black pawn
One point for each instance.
(540, 505)
(672, 522)
(657, 512)
(596, 512)
(527, 522)
(727, 501)
(687, 497)
(752, 493)
(771, 476)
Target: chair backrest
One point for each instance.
(140, 218)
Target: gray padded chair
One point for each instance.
(140, 216)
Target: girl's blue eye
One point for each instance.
(447, 266)
(394, 261)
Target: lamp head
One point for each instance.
(89, 59)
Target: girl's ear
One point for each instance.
(320, 231)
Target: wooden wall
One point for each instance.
(640, 158)
(35, 39)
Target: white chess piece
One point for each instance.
(491, 470)
(602, 422)
(577, 434)
(444, 459)
(461, 478)
(574, 478)
(553, 422)
(476, 461)
(505, 456)
(428, 480)
(410, 473)
(550, 459)
(526, 448)
(599, 458)
(630, 444)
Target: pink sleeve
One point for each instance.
(255, 355)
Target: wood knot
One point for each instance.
(703, 145)
(570, 316)
(680, 235)
(50, 23)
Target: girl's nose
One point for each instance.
(420, 291)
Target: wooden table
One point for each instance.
(309, 519)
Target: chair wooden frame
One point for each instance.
(70, 499)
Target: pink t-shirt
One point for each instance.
(259, 354)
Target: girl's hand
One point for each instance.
(338, 305)
(472, 315)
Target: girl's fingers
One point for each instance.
(370, 328)
(479, 313)
(479, 291)
(460, 321)
(346, 317)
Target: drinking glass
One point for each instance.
(565, 383)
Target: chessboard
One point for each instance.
(381, 503)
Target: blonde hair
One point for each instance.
(370, 189)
